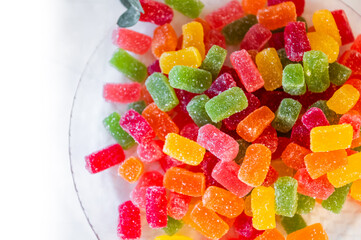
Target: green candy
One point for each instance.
(189, 8)
(226, 104)
(286, 115)
(292, 224)
(332, 117)
(338, 73)
(197, 110)
(162, 93)
(173, 226)
(214, 60)
(293, 79)
(190, 79)
(358, 149)
(129, 66)
(243, 145)
(315, 64)
(137, 106)
(283, 57)
(235, 31)
(305, 204)
(334, 203)
(286, 197)
(111, 124)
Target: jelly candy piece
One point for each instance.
(226, 173)
(176, 237)
(247, 70)
(111, 124)
(277, 16)
(343, 26)
(356, 143)
(223, 202)
(190, 79)
(315, 64)
(164, 40)
(138, 106)
(256, 38)
(156, 207)
(206, 27)
(268, 138)
(271, 177)
(300, 135)
(356, 190)
(186, 57)
(235, 31)
(173, 226)
(190, 131)
(226, 104)
(263, 208)
(270, 67)
(184, 98)
(154, 67)
(247, 206)
(347, 174)
(283, 57)
(293, 79)
(193, 36)
(189, 8)
(243, 145)
(272, 234)
(214, 37)
(296, 41)
(155, 12)
(182, 181)
(197, 110)
(286, 196)
(132, 41)
(207, 166)
(148, 179)
(324, 22)
(121, 92)
(338, 73)
(225, 15)
(178, 205)
(104, 159)
(325, 43)
(243, 226)
(252, 6)
(254, 168)
(281, 146)
(224, 82)
(331, 116)
(131, 169)
(319, 188)
(344, 99)
(214, 60)
(335, 202)
(314, 117)
(282, 169)
(286, 115)
(167, 162)
(293, 224)
(188, 220)
(353, 118)
(352, 60)
(277, 40)
(314, 231)
(300, 5)
(356, 45)
(150, 151)
(126, 64)
(129, 226)
(293, 156)
(305, 204)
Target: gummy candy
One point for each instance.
(355, 190)
(305, 204)
(286, 196)
(187, 57)
(271, 177)
(150, 151)
(189, 8)
(214, 60)
(300, 135)
(263, 208)
(286, 115)
(352, 60)
(293, 156)
(193, 36)
(104, 159)
(243, 226)
(145, 95)
(324, 22)
(272, 234)
(235, 31)
(335, 202)
(177, 206)
(314, 231)
(197, 110)
(173, 226)
(207, 166)
(256, 38)
(343, 26)
(214, 37)
(277, 40)
(325, 43)
(332, 117)
(314, 117)
(293, 224)
(156, 207)
(224, 82)
(129, 226)
(138, 106)
(155, 12)
(121, 93)
(277, 16)
(300, 5)
(268, 138)
(164, 40)
(252, 6)
(131, 169)
(132, 41)
(338, 73)
(190, 131)
(225, 15)
(293, 79)
(344, 99)
(315, 64)
(353, 118)
(296, 41)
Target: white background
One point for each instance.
(44, 46)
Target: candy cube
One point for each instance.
(348, 174)
(293, 79)
(300, 5)
(353, 118)
(178, 204)
(235, 31)
(314, 231)
(186, 57)
(173, 226)
(277, 16)
(150, 151)
(129, 226)
(293, 224)
(293, 156)
(271, 177)
(189, 8)
(332, 117)
(343, 26)
(344, 99)
(132, 41)
(315, 64)
(155, 12)
(263, 208)
(296, 41)
(252, 6)
(272, 234)
(324, 22)
(122, 92)
(104, 159)
(338, 73)
(325, 43)
(225, 15)
(156, 207)
(197, 110)
(335, 202)
(256, 38)
(131, 169)
(286, 115)
(224, 82)
(314, 117)
(164, 40)
(148, 179)
(214, 60)
(193, 37)
(305, 204)
(286, 196)
(300, 135)
(352, 60)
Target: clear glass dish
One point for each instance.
(100, 194)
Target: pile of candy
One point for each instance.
(271, 135)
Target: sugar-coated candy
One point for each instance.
(324, 22)
(319, 188)
(315, 232)
(255, 165)
(300, 5)
(178, 204)
(214, 37)
(314, 117)
(243, 226)
(226, 173)
(344, 99)
(193, 36)
(155, 12)
(132, 41)
(129, 225)
(214, 60)
(190, 79)
(189, 8)
(296, 41)
(352, 60)
(335, 202)
(150, 151)
(164, 40)
(207, 166)
(293, 156)
(293, 79)
(138, 106)
(305, 204)
(235, 31)
(293, 224)
(268, 138)
(126, 64)
(224, 82)
(104, 159)
(343, 26)
(225, 15)
(227, 103)
(156, 207)
(252, 6)
(355, 191)
(263, 208)
(286, 115)
(315, 64)
(121, 92)
(323, 42)
(184, 98)
(354, 119)
(247, 70)
(270, 67)
(167, 162)
(131, 169)
(300, 135)
(286, 197)
(348, 174)
(332, 117)
(176, 237)
(339, 73)
(256, 38)
(277, 40)
(173, 226)
(182, 181)
(197, 110)
(190, 131)
(111, 124)
(277, 16)
(186, 57)
(223, 202)
(153, 67)
(271, 177)
(271, 234)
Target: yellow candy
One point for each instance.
(193, 37)
(324, 22)
(174, 237)
(344, 99)
(187, 57)
(356, 190)
(263, 208)
(270, 67)
(330, 138)
(325, 43)
(183, 149)
(348, 174)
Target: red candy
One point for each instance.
(167, 162)
(268, 138)
(300, 135)
(282, 144)
(343, 26)
(154, 67)
(277, 40)
(356, 45)
(300, 4)
(190, 131)
(150, 151)
(221, 84)
(104, 159)
(352, 60)
(129, 226)
(214, 37)
(156, 207)
(225, 15)
(184, 98)
(314, 117)
(132, 41)
(178, 205)
(296, 41)
(256, 38)
(271, 177)
(155, 12)
(272, 99)
(207, 166)
(148, 179)
(122, 92)
(244, 227)
(353, 118)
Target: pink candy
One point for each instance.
(155, 12)
(244, 227)
(256, 38)
(156, 207)
(154, 67)
(221, 84)
(314, 117)
(148, 179)
(129, 226)
(104, 159)
(225, 15)
(122, 92)
(178, 205)
(132, 41)
(296, 41)
(300, 135)
(190, 131)
(150, 151)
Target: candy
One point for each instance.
(193, 37)
(347, 174)
(252, 6)
(315, 64)
(235, 31)
(190, 131)
(186, 57)
(282, 168)
(247, 70)
(300, 135)
(325, 43)
(177, 237)
(225, 15)
(131, 169)
(197, 110)
(356, 190)
(156, 207)
(254, 168)
(300, 5)
(324, 22)
(356, 45)
(268, 138)
(126, 64)
(315, 232)
(207, 166)
(145, 95)
(263, 208)
(281, 146)
(111, 124)
(132, 41)
(305, 204)
(182, 181)
(256, 38)
(286, 115)
(121, 93)
(293, 156)
(177, 206)
(104, 159)
(270, 67)
(296, 41)
(344, 99)
(173, 226)
(190, 79)
(335, 202)
(286, 196)
(293, 79)
(277, 40)
(271, 177)
(314, 117)
(189, 8)
(272, 234)
(155, 12)
(138, 106)
(353, 118)
(277, 16)
(164, 40)
(226, 104)
(338, 73)
(283, 57)
(293, 224)
(352, 60)
(129, 226)
(184, 98)
(343, 26)
(214, 37)
(224, 82)
(332, 117)
(150, 151)
(214, 60)
(243, 226)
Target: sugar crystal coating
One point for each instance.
(343, 26)
(131, 169)
(272, 234)
(225, 15)
(121, 92)
(178, 204)
(138, 106)
(256, 38)
(296, 41)
(293, 156)
(129, 226)
(150, 151)
(293, 224)
(189, 8)
(325, 43)
(236, 30)
(305, 204)
(277, 16)
(132, 41)
(244, 227)
(164, 40)
(156, 207)
(187, 57)
(300, 4)
(263, 208)
(197, 110)
(173, 226)
(293, 79)
(344, 99)
(286, 115)
(104, 159)
(324, 22)
(286, 196)
(155, 12)
(193, 36)
(315, 64)
(214, 60)
(339, 73)
(224, 82)
(335, 202)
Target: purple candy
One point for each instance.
(296, 41)
(256, 38)
(221, 84)
(156, 207)
(314, 117)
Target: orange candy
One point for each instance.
(271, 234)
(255, 123)
(164, 40)
(252, 6)
(205, 25)
(189, 221)
(247, 206)
(356, 143)
(277, 16)
(314, 232)
(160, 121)
(145, 95)
(293, 156)
(131, 169)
